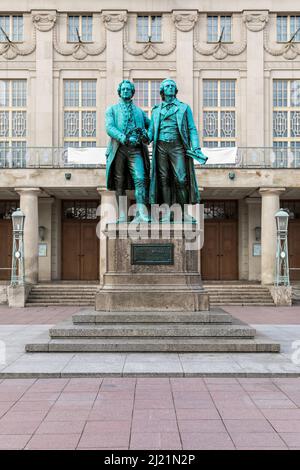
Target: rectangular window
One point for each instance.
(80, 121)
(149, 28)
(12, 26)
(147, 94)
(219, 114)
(13, 122)
(286, 120)
(81, 26)
(219, 27)
(288, 27)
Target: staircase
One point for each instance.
(44, 295)
(296, 293)
(165, 331)
(237, 294)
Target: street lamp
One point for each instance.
(282, 261)
(17, 273)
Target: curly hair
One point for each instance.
(126, 81)
(161, 88)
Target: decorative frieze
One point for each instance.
(255, 21)
(79, 50)
(185, 21)
(220, 50)
(289, 50)
(149, 50)
(114, 21)
(44, 21)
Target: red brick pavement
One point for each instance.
(150, 413)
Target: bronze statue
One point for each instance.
(127, 165)
(175, 145)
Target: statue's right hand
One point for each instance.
(132, 140)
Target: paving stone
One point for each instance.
(206, 441)
(257, 439)
(60, 427)
(201, 425)
(13, 442)
(53, 442)
(105, 439)
(248, 425)
(155, 441)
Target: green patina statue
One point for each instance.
(175, 145)
(127, 165)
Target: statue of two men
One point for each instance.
(175, 143)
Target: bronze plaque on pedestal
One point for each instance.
(151, 253)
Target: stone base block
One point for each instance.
(17, 295)
(149, 300)
(282, 295)
(3, 294)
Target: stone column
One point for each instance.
(255, 22)
(29, 205)
(184, 22)
(44, 22)
(114, 22)
(108, 214)
(269, 207)
(45, 220)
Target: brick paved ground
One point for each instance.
(150, 413)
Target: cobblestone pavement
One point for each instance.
(150, 413)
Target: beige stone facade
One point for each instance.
(253, 59)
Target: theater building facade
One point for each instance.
(239, 70)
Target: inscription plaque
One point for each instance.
(151, 253)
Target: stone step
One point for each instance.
(94, 317)
(178, 344)
(58, 304)
(61, 296)
(67, 329)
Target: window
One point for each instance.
(81, 210)
(287, 26)
(217, 26)
(80, 113)
(286, 120)
(12, 26)
(147, 94)
(13, 122)
(82, 25)
(149, 27)
(219, 128)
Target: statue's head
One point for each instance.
(126, 90)
(168, 88)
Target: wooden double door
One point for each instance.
(80, 250)
(219, 255)
(5, 249)
(294, 248)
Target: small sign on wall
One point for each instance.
(42, 249)
(256, 249)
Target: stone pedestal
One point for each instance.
(147, 274)
(282, 295)
(17, 295)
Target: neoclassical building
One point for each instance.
(238, 66)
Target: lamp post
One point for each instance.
(17, 273)
(282, 261)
